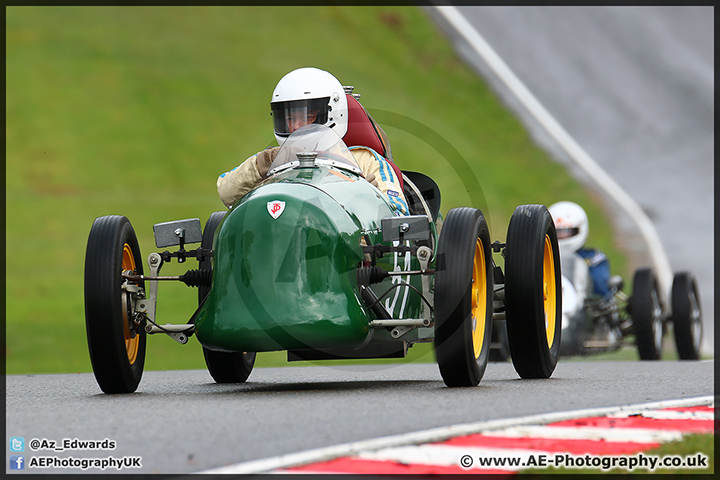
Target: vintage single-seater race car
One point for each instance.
(594, 323)
(316, 262)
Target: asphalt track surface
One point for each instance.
(183, 422)
(634, 86)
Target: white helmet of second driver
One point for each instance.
(309, 90)
(571, 224)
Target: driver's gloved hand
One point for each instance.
(370, 177)
(264, 159)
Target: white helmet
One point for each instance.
(308, 95)
(571, 224)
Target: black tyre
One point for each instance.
(463, 298)
(115, 341)
(229, 367)
(646, 313)
(533, 298)
(686, 316)
(224, 367)
(207, 244)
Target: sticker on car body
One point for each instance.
(275, 208)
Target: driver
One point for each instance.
(572, 227)
(302, 97)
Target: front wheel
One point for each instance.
(686, 316)
(646, 313)
(115, 332)
(463, 298)
(533, 299)
(224, 367)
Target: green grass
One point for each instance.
(136, 110)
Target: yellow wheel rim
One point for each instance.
(479, 298)
(132, 343)
(549, 292)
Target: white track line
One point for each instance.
(437, 434)
(627, 435)
(566, 142)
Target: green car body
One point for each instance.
(291, 282)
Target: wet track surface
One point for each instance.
(180, 421)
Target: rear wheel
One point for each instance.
(116, 335)
(686, 316)
(463, 298)
(224, 367)
(229, 367)
(533, 300)
(646, 313)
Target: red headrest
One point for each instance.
(360, 130)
